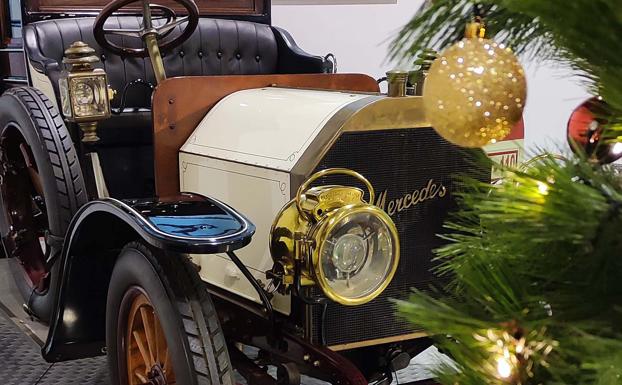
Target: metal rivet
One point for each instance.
(103, 57)
(219, 54)
(238, 56)
(316, 364)
(200, 53)
(171, 101)
(182, 53)
(257, 58)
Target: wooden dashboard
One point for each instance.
(206, 7)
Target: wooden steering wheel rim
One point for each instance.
(165, 44)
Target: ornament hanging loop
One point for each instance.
(475, 29)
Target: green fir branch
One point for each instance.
(541, 250)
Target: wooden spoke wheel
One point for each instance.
(146, 349)
(24, 205)
(161, 325)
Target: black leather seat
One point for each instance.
(217, 47)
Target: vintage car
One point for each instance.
(234, 206)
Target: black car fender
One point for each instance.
(187, 224)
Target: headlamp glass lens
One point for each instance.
(358, 255)
(349, 253)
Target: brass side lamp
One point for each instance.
(330, 237)
(84, 91)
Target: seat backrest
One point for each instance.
(217, 47)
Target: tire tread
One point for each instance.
(198, 315)
(57, 141)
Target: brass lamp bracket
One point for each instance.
(332, 171)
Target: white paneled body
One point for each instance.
(267, 127)
(255, 147)
(242, 154)
(258, 193)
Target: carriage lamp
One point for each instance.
(331, 237)
(85, 96)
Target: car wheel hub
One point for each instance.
(147, 354)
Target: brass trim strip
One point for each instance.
(377, 341)
(323, 141)
(388, 113)
(374, 113)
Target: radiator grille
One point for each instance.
(398, 162)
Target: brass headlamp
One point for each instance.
(84, 92)
(331, 237)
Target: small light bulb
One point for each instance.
(504, 369)
(543, 188)
(617, 149)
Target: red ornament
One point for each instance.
(585, 128)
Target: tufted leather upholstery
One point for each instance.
(217, 47)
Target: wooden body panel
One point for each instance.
(5, 24)
(179, 105)
(206, 7)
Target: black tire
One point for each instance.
(185, 310)
(27, 115)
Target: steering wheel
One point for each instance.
(149, 33)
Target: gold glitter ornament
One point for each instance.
(475, 92)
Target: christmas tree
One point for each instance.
(535, 261)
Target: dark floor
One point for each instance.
(21, 362)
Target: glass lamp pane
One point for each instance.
(88, 96)
(64, 97)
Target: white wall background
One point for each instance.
(358, 33)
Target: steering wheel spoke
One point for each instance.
(167, 22)
(124, 32)
(167, 28)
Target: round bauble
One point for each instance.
(475, 92)
(585, 128)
